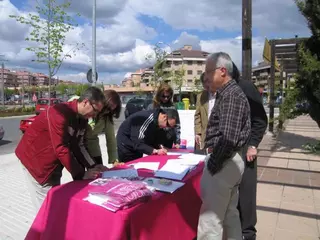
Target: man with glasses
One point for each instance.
(228, 132)
(56, 140)
(139, 133)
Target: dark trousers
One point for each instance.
(247, 204)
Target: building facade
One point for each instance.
(191, 62)
(9, 78)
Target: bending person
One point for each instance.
(104, 123)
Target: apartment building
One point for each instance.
(42, 79)
(10, 78)
(25, 78)
(261, 75)
(191, 61)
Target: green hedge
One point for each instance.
(16, 111)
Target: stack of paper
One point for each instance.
(155, 182)
(191, 159)
(173, 170)
(146, 165)
(121, 173)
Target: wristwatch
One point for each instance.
(253, 147)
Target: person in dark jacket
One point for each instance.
(163, 100)
(138, 134)
(248, 186)
(56, 140)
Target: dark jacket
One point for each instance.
(55, 139)
(259, 119)
(137, 135)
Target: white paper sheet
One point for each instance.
(173, 170)
(146, 165)
(121, 173)
(163, 188)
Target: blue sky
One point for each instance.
(129, 29)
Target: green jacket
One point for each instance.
(92, 139)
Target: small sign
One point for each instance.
(89, 76)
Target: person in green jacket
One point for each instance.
(104, 124)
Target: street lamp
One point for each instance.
(94, 42)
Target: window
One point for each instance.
(199, 63)
(190, 80)
(199, 72)
(189, 72)
(189, 62)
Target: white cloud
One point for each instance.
(120, 45)
(234, 48)
(123, 41)
(269, 17)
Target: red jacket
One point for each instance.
(55, 137)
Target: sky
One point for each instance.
(127, 31)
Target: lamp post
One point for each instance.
(246, 39)
(94, 42)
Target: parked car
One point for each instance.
(1, 132)
(43, 103)
(25, 123)
(135, 105)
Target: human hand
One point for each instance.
(252, 154)
(92, 173)
(177, 146)
(117, 163)
(162, 151)
(198, 139)
(101, 167)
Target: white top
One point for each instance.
(212, 100)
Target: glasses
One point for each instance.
(94, 109)
(166, 96)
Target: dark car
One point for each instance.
(135, 105)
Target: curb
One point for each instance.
(19, 116)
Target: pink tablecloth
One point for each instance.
(64, 214)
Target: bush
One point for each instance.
(16, 111)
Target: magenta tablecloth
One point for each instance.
(65, 215)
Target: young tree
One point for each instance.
(160, 72)
(178, 79)
(49, 27)
(308, 77)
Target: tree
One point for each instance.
(178, 79)
(160, 72)
(308, 77)
(49, 27)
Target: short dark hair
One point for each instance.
(171, 113)
(202, 77)
(93, 94)
(112, 99)
(235, 72)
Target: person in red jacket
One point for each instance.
(56, 140)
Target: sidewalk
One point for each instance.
(288, 195)
(288, 189)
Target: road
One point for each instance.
(13, 134)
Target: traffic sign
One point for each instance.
(89, 76)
